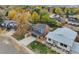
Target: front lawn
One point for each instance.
(40, 48)
(19, 37)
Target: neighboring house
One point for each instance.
(73, 21)
(39, 29)
(63, 38)
(74, 16)
(54, 16)
(71, 16)
(9, 24)
(58, 18)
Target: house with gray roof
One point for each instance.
(63, 38)
(39, 29)
(58, 18)
(54, 16)
(73, 21)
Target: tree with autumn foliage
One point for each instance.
(12, 14)
(58, 10)
(35, 17)
(23, 18)
(23, 23)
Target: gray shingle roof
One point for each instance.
(63, 35)
(38, 29)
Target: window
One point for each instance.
(63, 45)
(54, 42)
(49, 39)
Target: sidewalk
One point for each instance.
(27, 41)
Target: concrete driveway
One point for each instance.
(9, 33)
(26, 41)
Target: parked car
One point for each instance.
(9, 24)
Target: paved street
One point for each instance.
(27, 40)
(11, 46)
(75, 28)
(7, 48)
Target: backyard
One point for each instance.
(40, 48)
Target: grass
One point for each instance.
(40, 48)
(53, 28)
(19, 37)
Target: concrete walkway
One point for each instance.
(27, 41)
(9, 33)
